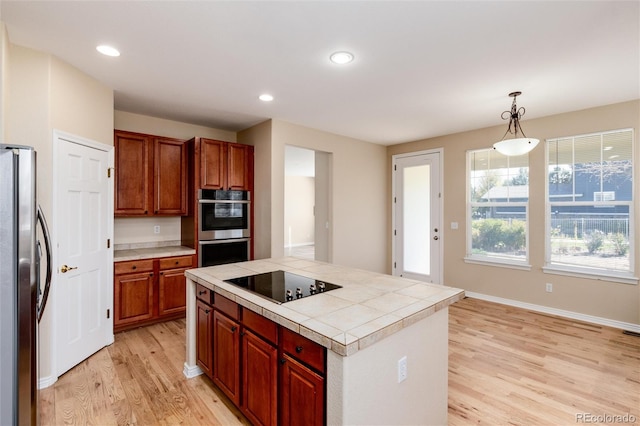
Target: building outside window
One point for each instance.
(590, 203)
(497, 207)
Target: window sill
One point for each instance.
(591, 274)
(522, 266)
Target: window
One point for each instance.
(497, 213)
(590, 203)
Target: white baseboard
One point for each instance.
(559, 312)
(191, 371)
(45, 382)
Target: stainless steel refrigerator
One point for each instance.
(21, 299)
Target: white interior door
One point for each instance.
(417, 233)
(83, 216)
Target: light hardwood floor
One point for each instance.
(506, 366)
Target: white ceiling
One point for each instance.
(421, 69)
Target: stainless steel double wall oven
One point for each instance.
(224, 233)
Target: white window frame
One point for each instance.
(603, 274)
(505, 262)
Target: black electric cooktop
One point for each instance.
(282, 286)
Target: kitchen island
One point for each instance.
(368, 326)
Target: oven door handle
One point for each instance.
(224, 201)
(227, 241)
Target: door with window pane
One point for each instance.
(417, 233)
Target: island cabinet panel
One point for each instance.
(273, 375)
(150, 290)
(301, 394)
(226, 355)
(151, 175)
(259, 380)
(225, 165)
(204, 334)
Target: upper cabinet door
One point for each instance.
(170, 177)
(132, 174)
(213, 165)
(239, 174)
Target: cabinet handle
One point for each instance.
(156, 212)
(151, 274)
(146, 212)
(298, 349)
(206, 311)
(282, 361)
(134, 267)
(177, 262)
(233, 329)
(161, 273)
(201, 292)
(242, 333)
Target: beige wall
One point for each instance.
(140, 229)
(358, 197)
(605, 299)
(44, 94)
(4, 78)
(260, 137)
(299, 222)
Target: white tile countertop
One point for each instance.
(369, 307)
(124, 252)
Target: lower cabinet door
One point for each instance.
(301, 394)
(259, 380)
(172, 296)
(133, 298)
(204, 334)
(226, 356)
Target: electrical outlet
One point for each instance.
(549, 288)
(156, 229)
(402, 369)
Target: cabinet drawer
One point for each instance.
(226, 306)
(176, 262)
(204, 294)
(133, 266)
(262, 326)
(303, 349)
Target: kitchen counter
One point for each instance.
(368, 326)
(141, 252)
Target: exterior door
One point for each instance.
(417, 233)
(83, 212)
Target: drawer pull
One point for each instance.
(233, 329)
(206, 311)
(282, 361)
(201, 292)
(298, 349)
(134, 267)
(177, 262)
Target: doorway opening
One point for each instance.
(306, 204)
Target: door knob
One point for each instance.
(435, 238)
(65, 268)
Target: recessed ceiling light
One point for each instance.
(108, 50)
(341, 58)
(265, 97)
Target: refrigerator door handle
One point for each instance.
(47, 243)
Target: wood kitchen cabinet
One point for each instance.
(150, 290)
(225, 165)
(151, 175)
(259, 369)
(226, 355)
(275, 376)
(133, 292)
(302, 382)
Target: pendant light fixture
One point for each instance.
(515, 145)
